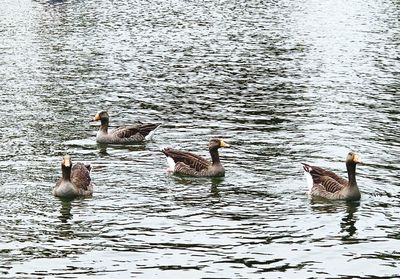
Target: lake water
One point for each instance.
(283, 82)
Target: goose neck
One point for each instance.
(104, 125)
(351, 172)
(66, 173)
(215, 156)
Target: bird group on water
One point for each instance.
(76, 181)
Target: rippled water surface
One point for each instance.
(283, 82)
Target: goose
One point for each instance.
(75, 180)
(186, 163)
(123, 135)
(326, 184)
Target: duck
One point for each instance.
(189, 164)
(328, 185)
(75, 180)
(125, 134)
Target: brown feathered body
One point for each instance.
(326, 184)
(123, 135)
(75, 181)
(190, 164)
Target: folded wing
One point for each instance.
(80, 176)
(139, 131)
(318, 172)
(191, 160)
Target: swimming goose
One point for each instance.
(186, 163)
(326, 184)
(75, 180)
(123, 135)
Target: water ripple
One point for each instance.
(283, 82)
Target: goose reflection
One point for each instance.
(102, 147)
(65, 211)
(192, 191)
(347, 225)
(187, 181)
(214, 190)
(321, 205)
(64, 228)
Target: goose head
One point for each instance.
(66, 166)
(217, 143)
(66, 162)
(101, 115)
(354, 158)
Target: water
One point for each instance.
(283, 82)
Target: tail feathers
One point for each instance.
(306, 167)
(150, 135)
(309, 178)
(89, 167)
(171, 163)
(164, 149)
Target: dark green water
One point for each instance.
(283, 82)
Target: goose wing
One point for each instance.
(189, 159)
(80, 176)
(182, 168)
(140, 130)
(317, 172)
(328, 184)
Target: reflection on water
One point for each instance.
(349, 221)
(284, 82)
(64, 228)
(214, 190)
(348, 209)
(65, 211)
(102, 148)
